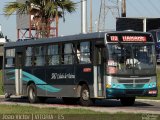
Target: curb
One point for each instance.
(148, 100)
(13, 96)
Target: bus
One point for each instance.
(156, 36)
(2, 41)
(2, 38)
(82, 68)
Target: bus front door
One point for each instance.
(18, 73)
(99, 74)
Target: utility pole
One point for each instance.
(123, 9)
(84, 16)
(91, 16)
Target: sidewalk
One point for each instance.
(3, 96)
(148, 100)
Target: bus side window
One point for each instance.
(39, 55)
(29, 57)
(10, 58)
(78, 54)
(68, 52)
(53, 55)
(85, 53)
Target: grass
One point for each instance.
(18, 109)
(67, 114)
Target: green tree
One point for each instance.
(43, 9)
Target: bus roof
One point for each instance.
(77, 37)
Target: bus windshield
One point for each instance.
(132, 59)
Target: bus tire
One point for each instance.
(85, 99)
(32, 93)
(128, 101)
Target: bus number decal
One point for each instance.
(114, 38)
(62, 76)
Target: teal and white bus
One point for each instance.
(84, 67)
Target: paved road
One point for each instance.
(111, 106)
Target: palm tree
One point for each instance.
(43, 9)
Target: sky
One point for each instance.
(72, 24)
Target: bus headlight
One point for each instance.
(153, 85)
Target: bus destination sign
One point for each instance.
(114, 38)
(128, 39)
(134, 38)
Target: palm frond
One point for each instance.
(67, 5)
(45, 8)
(12, 7)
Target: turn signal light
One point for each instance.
(108, 86)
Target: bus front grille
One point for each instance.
(133, 86)
(134, 81)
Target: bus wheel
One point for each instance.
(85, 99)
(128, 101)
(32, 93)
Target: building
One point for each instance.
(31, 26)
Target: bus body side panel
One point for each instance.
(9, 81)
(39, 79)
(84, 75)
(36, 76)
(60, 81)
(25, 79)
(57, 81)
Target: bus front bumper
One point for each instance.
(117, 93)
